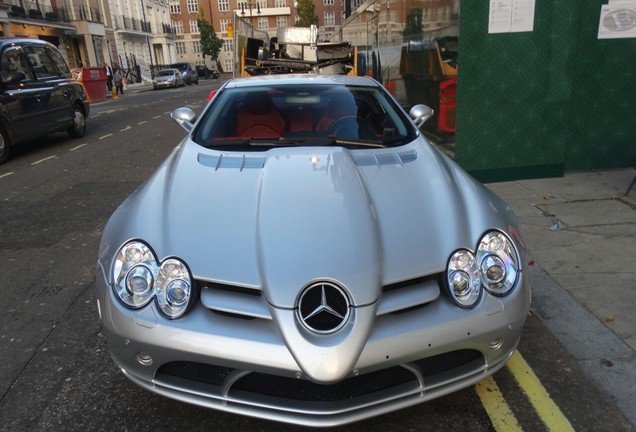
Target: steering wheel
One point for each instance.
(344, 127)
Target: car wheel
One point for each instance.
(5, 147)
(79, 124)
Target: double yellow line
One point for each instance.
(502, 417)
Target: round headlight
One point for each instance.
(139, 281)
(498, 262)
(134, 273)
(174, 288)
(463, 278)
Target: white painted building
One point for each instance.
(142, 34)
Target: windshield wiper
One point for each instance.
(254, 142)
(350, 142)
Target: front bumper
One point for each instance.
(162, 84)
(244, 366)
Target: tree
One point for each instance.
(210, 43)
(306, 13)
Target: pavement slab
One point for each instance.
(580, 233)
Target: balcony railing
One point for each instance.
(168, 29)
(86, 13)
(37, 12)
(133, 24)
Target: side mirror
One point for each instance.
(420, 113)
(184, 117)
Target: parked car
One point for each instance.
(306, 255)
(188, 71)
(38, 94)
(168, 78)
(202, 71)
(207, 73)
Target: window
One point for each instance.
(194, 26)
(228, 65)
(196, 47)
(328, 2)
(262, 23)
(228, 45)
(280, 3)
(262, 3)
(178, 27)
(41, 62)
(281, 21)
(13, 61)
(181, 48)
(330, 18)
(175, 6)
(59, 61)
(193, 6)
(224, 5)
(224, 24)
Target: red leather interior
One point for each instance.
(259, 118)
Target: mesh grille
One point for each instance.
(435, 370)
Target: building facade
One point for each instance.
(265, 16)
(134, 35)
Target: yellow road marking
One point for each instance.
(501, 416)
(547, 410)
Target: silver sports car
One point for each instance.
(305, 255)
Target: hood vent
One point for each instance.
(384, 158)
(232, 162)
(258, 162)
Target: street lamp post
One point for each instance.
(143, 12)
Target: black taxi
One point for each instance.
(38, 94)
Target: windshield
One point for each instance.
(257, 118)
(165, 72)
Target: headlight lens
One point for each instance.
(463, 278)
(138, 277)
(495, 266)
(133, 274)
(498, 263)
(173, 288)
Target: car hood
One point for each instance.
(282, 219)
(165, 78)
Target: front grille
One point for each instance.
(249, 303)
(302, 390)
(433, 371)
(199, 372)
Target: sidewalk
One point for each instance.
(580, 231)
(139, 87)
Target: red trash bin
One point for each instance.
(94, 81)
(447, 105)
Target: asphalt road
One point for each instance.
(56, 194)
